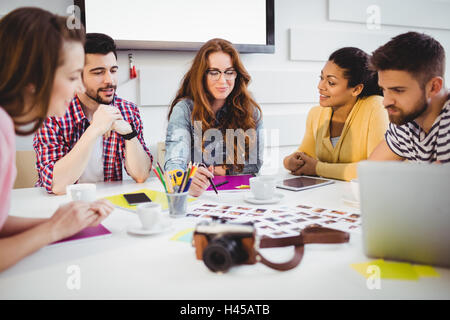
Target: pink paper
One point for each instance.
(234, 181)
(88, 232)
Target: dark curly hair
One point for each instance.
(355, 63)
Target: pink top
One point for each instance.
(7, 163)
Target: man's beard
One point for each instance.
(403, 118)
(96, 96)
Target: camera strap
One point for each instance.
(308, 235)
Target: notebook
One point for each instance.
(87, 233)
(233, 182)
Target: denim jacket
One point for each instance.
(184, 139)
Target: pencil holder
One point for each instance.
(177, 204)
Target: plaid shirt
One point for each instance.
(58, 135)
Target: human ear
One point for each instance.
(357, 90)
(434, 86)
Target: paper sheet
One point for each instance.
(395, 270)
(155, 196)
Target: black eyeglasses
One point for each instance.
(215, 74)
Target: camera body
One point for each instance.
(221, 245)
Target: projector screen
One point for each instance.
(182, 24)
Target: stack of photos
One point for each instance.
(279, 222)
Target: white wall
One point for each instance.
(284, 83)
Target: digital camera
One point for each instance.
(222, 245)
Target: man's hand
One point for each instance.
(121, 127)
(104, 118)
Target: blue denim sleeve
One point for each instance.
(254, 168)
(178, 137)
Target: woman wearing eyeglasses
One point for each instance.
(213, 118)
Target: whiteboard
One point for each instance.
(182, 24)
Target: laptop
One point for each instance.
(405, 211)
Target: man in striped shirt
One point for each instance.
(99, 133)
(411, 73)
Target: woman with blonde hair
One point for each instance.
(37, 81)
(213, 118)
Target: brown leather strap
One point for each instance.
(267, 242)
(298, 255)
(324, 235)
(308, 235)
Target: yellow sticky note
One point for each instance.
(155, 196)
(397, 270)
(363, 268)
(426, 271)
(387, 270)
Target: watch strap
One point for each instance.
(130, 135)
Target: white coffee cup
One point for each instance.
(263, 187)
(81, 191)
(355, 189)
(149, 214)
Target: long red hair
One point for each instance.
(242, 108)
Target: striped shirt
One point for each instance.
(409, 141)
(58, 135)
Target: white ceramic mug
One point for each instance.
(82, 191)
(149, 214)
(263, 187)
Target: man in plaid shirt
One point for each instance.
(98, 133)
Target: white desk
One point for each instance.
(123, 266)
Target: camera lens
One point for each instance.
(222, 253)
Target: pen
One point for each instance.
(222, 183)
(210, 180)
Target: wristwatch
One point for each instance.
(130, 135)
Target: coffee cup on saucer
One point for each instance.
(263, 187)
(81, 192)
(149, 214)
(152, 220)
(263, 191)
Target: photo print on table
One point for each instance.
(279, 221)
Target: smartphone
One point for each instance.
(136, 198)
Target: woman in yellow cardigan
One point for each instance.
(349, 122)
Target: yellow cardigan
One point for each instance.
(363, 130)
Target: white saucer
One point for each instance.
(350, 201)
(138, 230)
(251, 198)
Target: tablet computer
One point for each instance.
(302, 183)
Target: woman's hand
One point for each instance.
(73, 217)
(220, 171)
(309, 166)
(103, 208)
(200, 181)
(293, 162)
